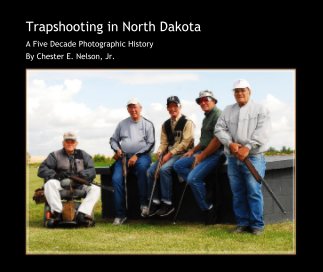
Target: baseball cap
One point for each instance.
(206, 93)
(133, 101)
(173, 99)
(69, 136)
(241, 83)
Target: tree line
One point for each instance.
(102, 160)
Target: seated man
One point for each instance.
(177, 136)
(199, 162)
(133, 140)
(56, 169)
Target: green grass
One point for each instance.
(148, 236)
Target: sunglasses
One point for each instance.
(204, 99)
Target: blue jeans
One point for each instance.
(195, 178)
(165, 180)
(247, 195)
(140, 170)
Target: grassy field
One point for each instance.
(148, 236)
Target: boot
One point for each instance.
(84, 220)
(55, 219)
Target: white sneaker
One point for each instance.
(119, 221)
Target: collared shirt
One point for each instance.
(207, 130)
(181, 144)
(248, 125)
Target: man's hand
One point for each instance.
(198, 158)
(132, 161)
(234, 147)
(118, 154)
(189, 153)
(61, 176)
(167, 157)
(243, 153)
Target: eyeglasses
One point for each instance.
(204, 99)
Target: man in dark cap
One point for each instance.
(177, 136)
(197, 163)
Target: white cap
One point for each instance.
(241, 83)
(133, 101)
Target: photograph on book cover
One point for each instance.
(78, 119)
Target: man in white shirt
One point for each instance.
(243, 128)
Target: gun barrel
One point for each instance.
(159, 164)
(260, 180)
(85, 182)
(124, 173)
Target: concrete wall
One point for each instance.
(279, 177)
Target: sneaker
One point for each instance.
(210, 216)
(241, 229)
(144, 211)
(256, 231)
(119, 221)
(154, 208)
(165, 210)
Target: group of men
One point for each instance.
(240, 131)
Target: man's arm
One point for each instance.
(47, 168)
(163, 141)
(221, 130)
(210, 149)
(115, 139)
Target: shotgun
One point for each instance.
(85, 182)
(156, 174)
(260, 180)
(124, 173)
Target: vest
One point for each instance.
(178, 130)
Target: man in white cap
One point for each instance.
(177, 136)
(57, 168)
(134, 138)
(199, 162)
(243, 128)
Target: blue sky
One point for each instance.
(91, 102)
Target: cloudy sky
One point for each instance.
(92, 102)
